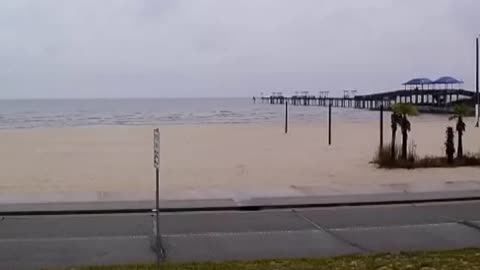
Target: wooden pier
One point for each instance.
(430, 97)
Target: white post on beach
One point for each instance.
(156, 164)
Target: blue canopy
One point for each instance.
(447, 80)
(418, 81)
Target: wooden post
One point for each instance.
(381, 127)
(286, 117)
(330, 123)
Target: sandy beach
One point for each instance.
(237, 161)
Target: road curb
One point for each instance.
(246, 208)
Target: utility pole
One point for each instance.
(381, 127)
(330, 123)
(286, 116)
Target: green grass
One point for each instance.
(451, 260)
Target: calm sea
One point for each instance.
(90, 112)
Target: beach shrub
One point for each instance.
(469, 160)
(383, 159)
(386, 156)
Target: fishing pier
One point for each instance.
(422, 92)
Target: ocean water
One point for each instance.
(93, 112)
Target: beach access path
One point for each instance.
(418, 222)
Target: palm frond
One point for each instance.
(405, 109)
(461, 109)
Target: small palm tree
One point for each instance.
(460, 111)
(450, 145)
(395, 121)
(404, 110)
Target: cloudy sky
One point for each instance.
(180, 48)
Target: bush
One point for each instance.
(383, 159)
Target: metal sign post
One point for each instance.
(156, 164)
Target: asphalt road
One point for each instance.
(60, 241)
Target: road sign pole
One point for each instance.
(156, 164)
(157, 189)
(157, 216)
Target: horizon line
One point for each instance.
(114, 98)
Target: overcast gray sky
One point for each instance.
(179, 48)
